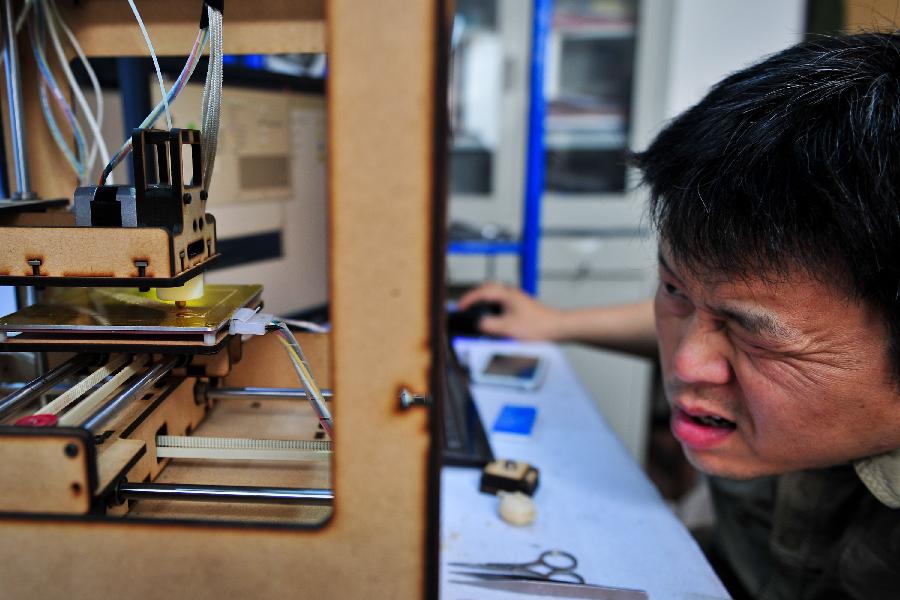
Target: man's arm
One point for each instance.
(626, 327)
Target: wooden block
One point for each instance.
(45, 472)
(113, 457)
(176, 414)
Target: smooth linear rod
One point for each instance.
(260, 392)
(134, 390)
(14, 386)
(14, 97)
(41, 384)
(225, 493)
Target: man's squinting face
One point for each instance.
(766, 378)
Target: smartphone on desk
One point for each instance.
(523, 371)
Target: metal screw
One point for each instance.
(186, 197)
(408, 399)
(71, 450)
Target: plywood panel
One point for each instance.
(380, 182)
(260, 27)
(872, 15)
(86, 251)
(381, 99)
(113, 457)
(265, 362)
(46, 474)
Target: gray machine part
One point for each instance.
(119, 209)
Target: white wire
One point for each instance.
(20, 21)
(313, 393)
(304, 325)
(94, 121)
(162, 87)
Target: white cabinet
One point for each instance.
(589, 270)
(488, 112)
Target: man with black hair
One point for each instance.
(777, 317)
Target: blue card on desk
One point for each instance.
(515, 419)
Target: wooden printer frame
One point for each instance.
(385, 184)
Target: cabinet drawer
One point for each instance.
(598, 256)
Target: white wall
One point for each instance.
(7, 300)
(712, 38)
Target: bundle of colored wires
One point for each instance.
(45, 22)
(95, 123)
(169, 97)
(313, 393)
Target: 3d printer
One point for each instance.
(185, 448)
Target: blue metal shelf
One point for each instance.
(484, 247)
(534, 169)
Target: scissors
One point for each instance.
(551, 575)
(551, 565)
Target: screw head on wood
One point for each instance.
(408, 399)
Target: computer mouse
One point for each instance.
(465, 322)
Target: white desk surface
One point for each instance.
(593, 500)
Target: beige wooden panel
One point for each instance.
(178, 413)
(43, 476)
(86, 251)
(265, 363)
(380, 184)
(259, 27)
(872, 15)
(113, 456)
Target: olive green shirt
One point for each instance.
(824, 533)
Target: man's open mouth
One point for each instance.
(699, 429)
(712, 421)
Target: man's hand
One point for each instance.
(625, 328)
(523, 317)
